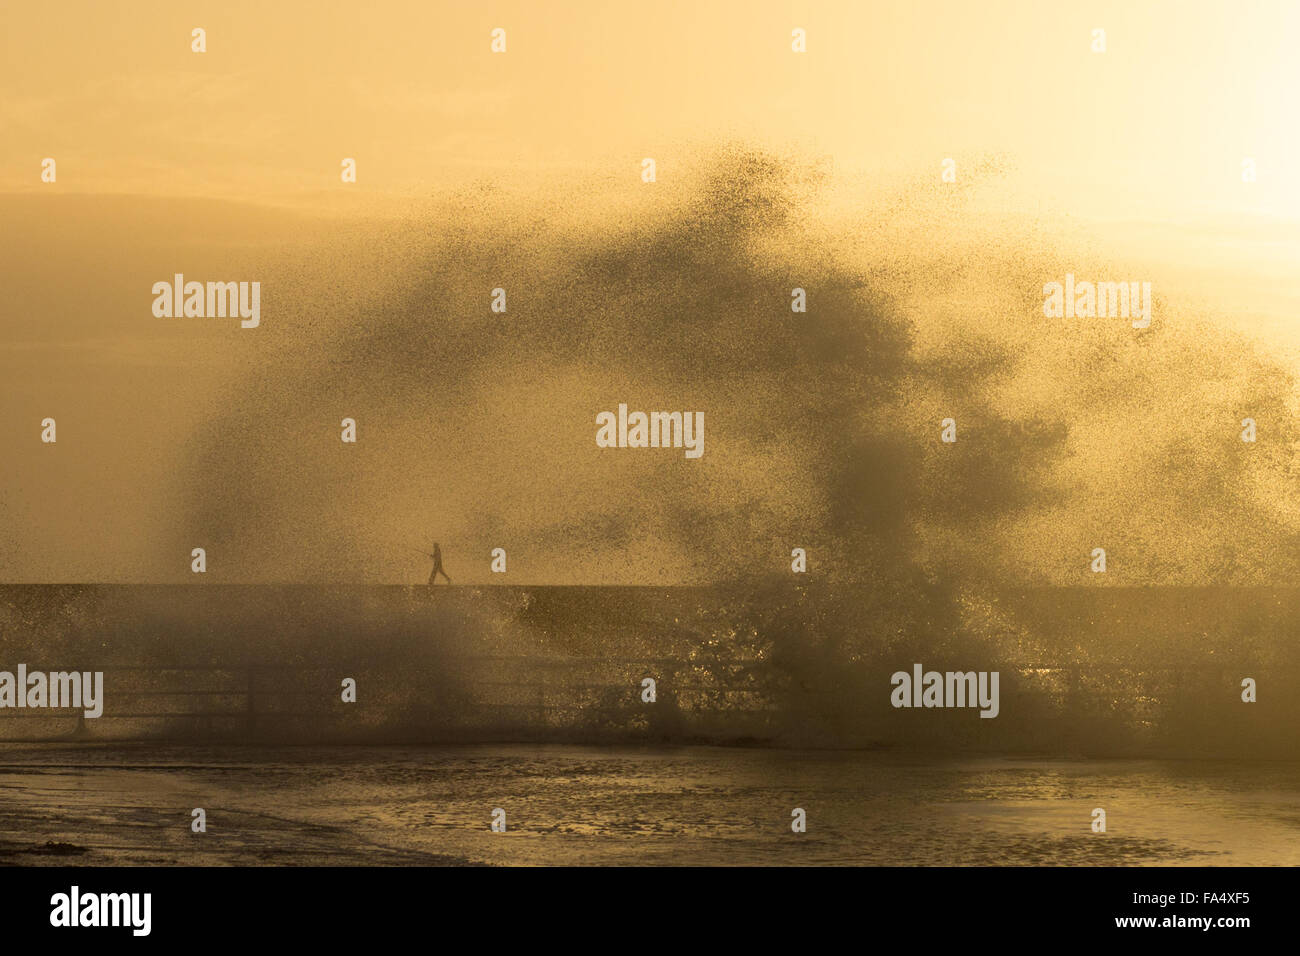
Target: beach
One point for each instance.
(572, 806)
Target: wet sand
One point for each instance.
(569, 805)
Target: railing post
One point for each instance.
(250, 713)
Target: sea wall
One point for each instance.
(1080, 673)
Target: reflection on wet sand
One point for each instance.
(571, 805)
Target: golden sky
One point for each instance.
(1159, 122)
(226, 164)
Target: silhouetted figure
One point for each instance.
(437, 565)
